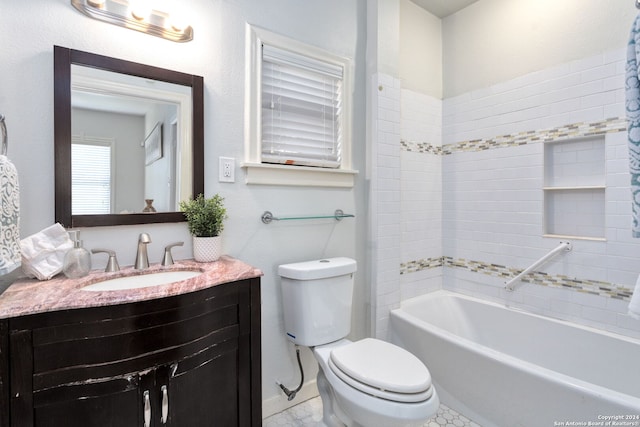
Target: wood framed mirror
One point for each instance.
(169, 140)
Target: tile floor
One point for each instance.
(310, 412)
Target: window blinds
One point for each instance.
(90, 179)
(301, 109)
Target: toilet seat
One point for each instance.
(383, 370)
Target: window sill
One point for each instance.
(300, 176)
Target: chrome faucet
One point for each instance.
(168, 259)
(112, 263)
(142, 259)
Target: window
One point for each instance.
(298, 110)
(91, 176)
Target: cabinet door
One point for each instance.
(202, 390)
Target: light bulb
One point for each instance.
(177, 22)
(96, 3)
(140, 9)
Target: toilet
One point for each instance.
(369, 383)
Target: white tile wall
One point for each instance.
(488, 205)
(575, 213)
(493, 204)
(571, 163)
(584, 90)
(421, 191)
(421, 118)
(386, 210)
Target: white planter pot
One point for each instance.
(207, 249)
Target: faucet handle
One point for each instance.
(112, 263)
(168, 259)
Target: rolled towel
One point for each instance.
(634, 304)
(43, 252)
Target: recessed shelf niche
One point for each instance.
(574, 188)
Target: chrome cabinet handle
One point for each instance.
(165, 404)
(147, 409)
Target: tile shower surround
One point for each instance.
(481, 149)
(575, 130)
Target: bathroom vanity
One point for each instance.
(184, 354)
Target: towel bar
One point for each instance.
(267, 216)
(563, 246)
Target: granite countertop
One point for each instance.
(32, 296)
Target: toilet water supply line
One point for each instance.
(563, 246)
(291, 394)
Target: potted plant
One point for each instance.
(205, 219)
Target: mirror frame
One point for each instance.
(63, 58)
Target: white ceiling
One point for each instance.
(442, 8)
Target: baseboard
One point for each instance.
(279, 403)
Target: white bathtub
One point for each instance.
(506, 368)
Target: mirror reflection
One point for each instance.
(131, 147)
(129, 140)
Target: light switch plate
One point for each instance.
(227, 169)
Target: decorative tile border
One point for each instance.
(421, 264)
(421, 147)
(594, 287)
(575, 130)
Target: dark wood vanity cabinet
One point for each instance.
(191, 360)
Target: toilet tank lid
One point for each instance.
(318, 269)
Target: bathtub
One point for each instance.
(505, 368)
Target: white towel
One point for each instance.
(43, 252)
(9, 217)
(634, 304)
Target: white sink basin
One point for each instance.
(142, 280)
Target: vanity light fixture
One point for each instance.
(123, 13)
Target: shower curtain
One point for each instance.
(632, 88)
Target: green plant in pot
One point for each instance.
(205, 219)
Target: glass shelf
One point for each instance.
(267, 217)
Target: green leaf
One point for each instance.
(205, 217)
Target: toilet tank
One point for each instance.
(317, 297)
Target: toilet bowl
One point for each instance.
(369, 383)
(373, 383)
